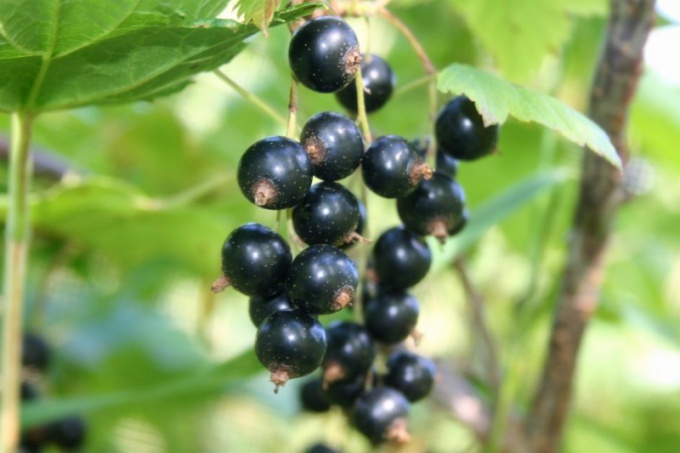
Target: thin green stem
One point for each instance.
(252, 98)
(417, 83)
(361, 107)
(17, 232)
(291, 131)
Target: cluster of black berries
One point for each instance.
(68, 433)
(287, 294)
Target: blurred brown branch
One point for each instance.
(600, 196)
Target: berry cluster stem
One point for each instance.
(361, 107)
(291, 132)
(17, 232)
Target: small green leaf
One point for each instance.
(224, 377)
(493, 212)
(258, 12)
(496, 98)
(57, 56)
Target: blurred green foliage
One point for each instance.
(126, 244)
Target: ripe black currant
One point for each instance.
(328, 214)
(381, 415)
(379, 82)
(435, 207)
(334, 145)
(35, 352)
(446, 164)
(68, 433)
(324, 54)
(392, 168)
(401, 258)
(313, 397)
(411, 374)
(345, 392)
(461, 133)
(322, 280)
(255, 261)
(275, 173)
(290, 344)
(391, 316)
(350, 352)
(461, 223)
(261, 307)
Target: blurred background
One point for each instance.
(132, 203)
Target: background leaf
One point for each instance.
(259, 12)
(496, 99)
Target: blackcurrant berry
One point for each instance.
(312, 396)
(460, 130)
(446, 164)
(324, 54)
(350, 352)
(255, 261)
(435, 207)
(68, 433)
(381, 415)
(275, 173)
(461, 223)
(321, 448)
(334, 145)
(345, 392)
(322, 280)
(379, 82)
(392, 168)
(328, 214)
(401, 258)
(35, 352)
(411, 374)
(391, 316)
(260, 307)
(290, 344)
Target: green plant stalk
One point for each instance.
(17, 232)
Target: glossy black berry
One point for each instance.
(359, 230)
(460, 226)
(381, 415)
(322, 280)
(350, 351)
(391, 316)
(334, 145)
(435, 207)
(312, 396)
(401, 258)
(324, 54)
(411, 374)
(255, 261)
(275, 173)
(35, 352)
(259, 308)
(290, 344)
(379, 82)
(446, 164)
(68, 433)
(328, 214)
(321, 448)
(392, 168)
(460, 130)
(345, 392)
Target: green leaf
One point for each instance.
(518, 33)
(496, 98)
(58, 56)
(493, 212)
(258, 12)
(226, 377)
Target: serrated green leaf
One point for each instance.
(519, 33)
(496, 99)
(224, 377)
(258, 12)
(494, 211)
(63, 54)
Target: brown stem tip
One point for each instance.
(316, 150)
(398, 431)
(342, 298)
(332, 373)
(417, 337)
(264, 192)
(437, 228)
(220, 284)
(279, 378)
(352, 61)
(419, 171)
